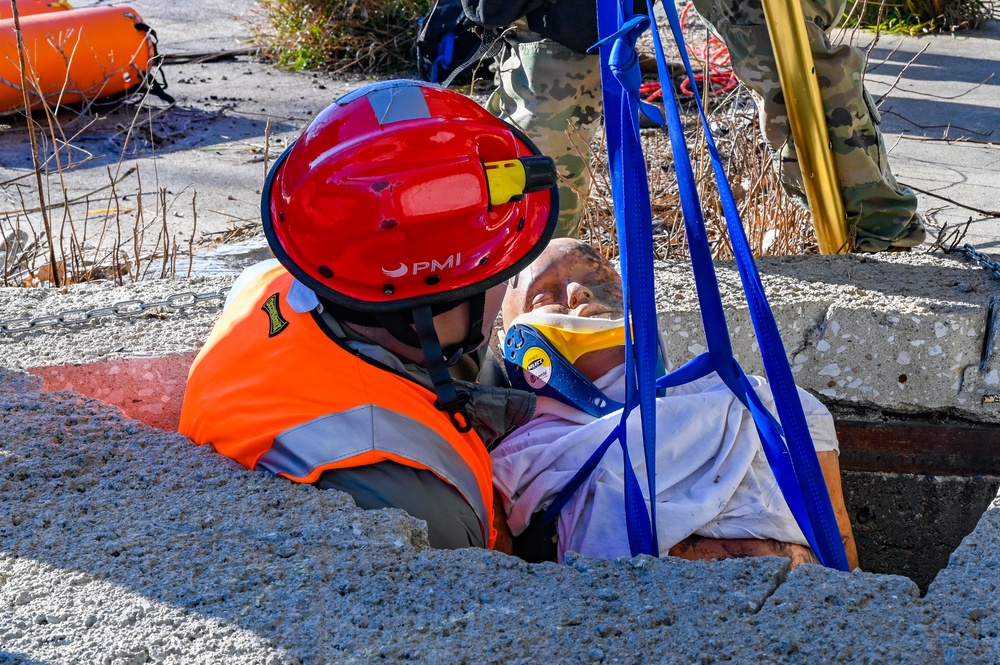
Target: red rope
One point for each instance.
(715, 57)
(650, 91)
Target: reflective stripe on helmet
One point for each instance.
(398, 103)
(330, 439)
(365, 90)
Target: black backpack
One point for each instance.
(448, 41)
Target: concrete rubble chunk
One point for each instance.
(132, 544)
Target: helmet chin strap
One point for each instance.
(438, 359)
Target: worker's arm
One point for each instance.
(505, 540)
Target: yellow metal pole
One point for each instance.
(787, 28)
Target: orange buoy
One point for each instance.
(31, 7)
(74, 56)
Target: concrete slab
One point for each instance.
(802, 291)
(124, 544)
(974, 588)
(891, 333)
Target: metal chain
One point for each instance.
(125, 308)
(984, 260)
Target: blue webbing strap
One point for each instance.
(632, 210)
(713, 316)
(620, 79)
(797, 448)
(795, 465)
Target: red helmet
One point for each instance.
(403, 194)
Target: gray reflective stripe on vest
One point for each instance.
(340, 436)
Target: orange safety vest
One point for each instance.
(272, 391)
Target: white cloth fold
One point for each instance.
(712, 478)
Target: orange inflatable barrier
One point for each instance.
(75, 56)
(32, 7)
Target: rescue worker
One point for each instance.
(349, 361)
(551, 88)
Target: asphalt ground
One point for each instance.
(940, 117)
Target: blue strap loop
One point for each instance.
(624, 63)
(792, 456)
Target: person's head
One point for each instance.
(570, 278)
(403, 203)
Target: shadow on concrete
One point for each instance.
(925, 117)
(951, 111)
(932, 66)
(94, 139)
(8, 658)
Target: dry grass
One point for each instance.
(98, 237)
(366, 36)
(119, 231)
(919, 17)
(374, 38)
(775, 223)
(58, 239)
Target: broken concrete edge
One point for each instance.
(119, 542)
(894, 510)
(873, 336)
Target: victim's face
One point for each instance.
(569, 277)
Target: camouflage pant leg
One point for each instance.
(873, 200)
(553, 94)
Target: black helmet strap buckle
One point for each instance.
(448, 399)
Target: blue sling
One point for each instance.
(787, 445)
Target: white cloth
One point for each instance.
(712, 478)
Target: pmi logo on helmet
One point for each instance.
(417, 267)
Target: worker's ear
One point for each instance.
(491, 309)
